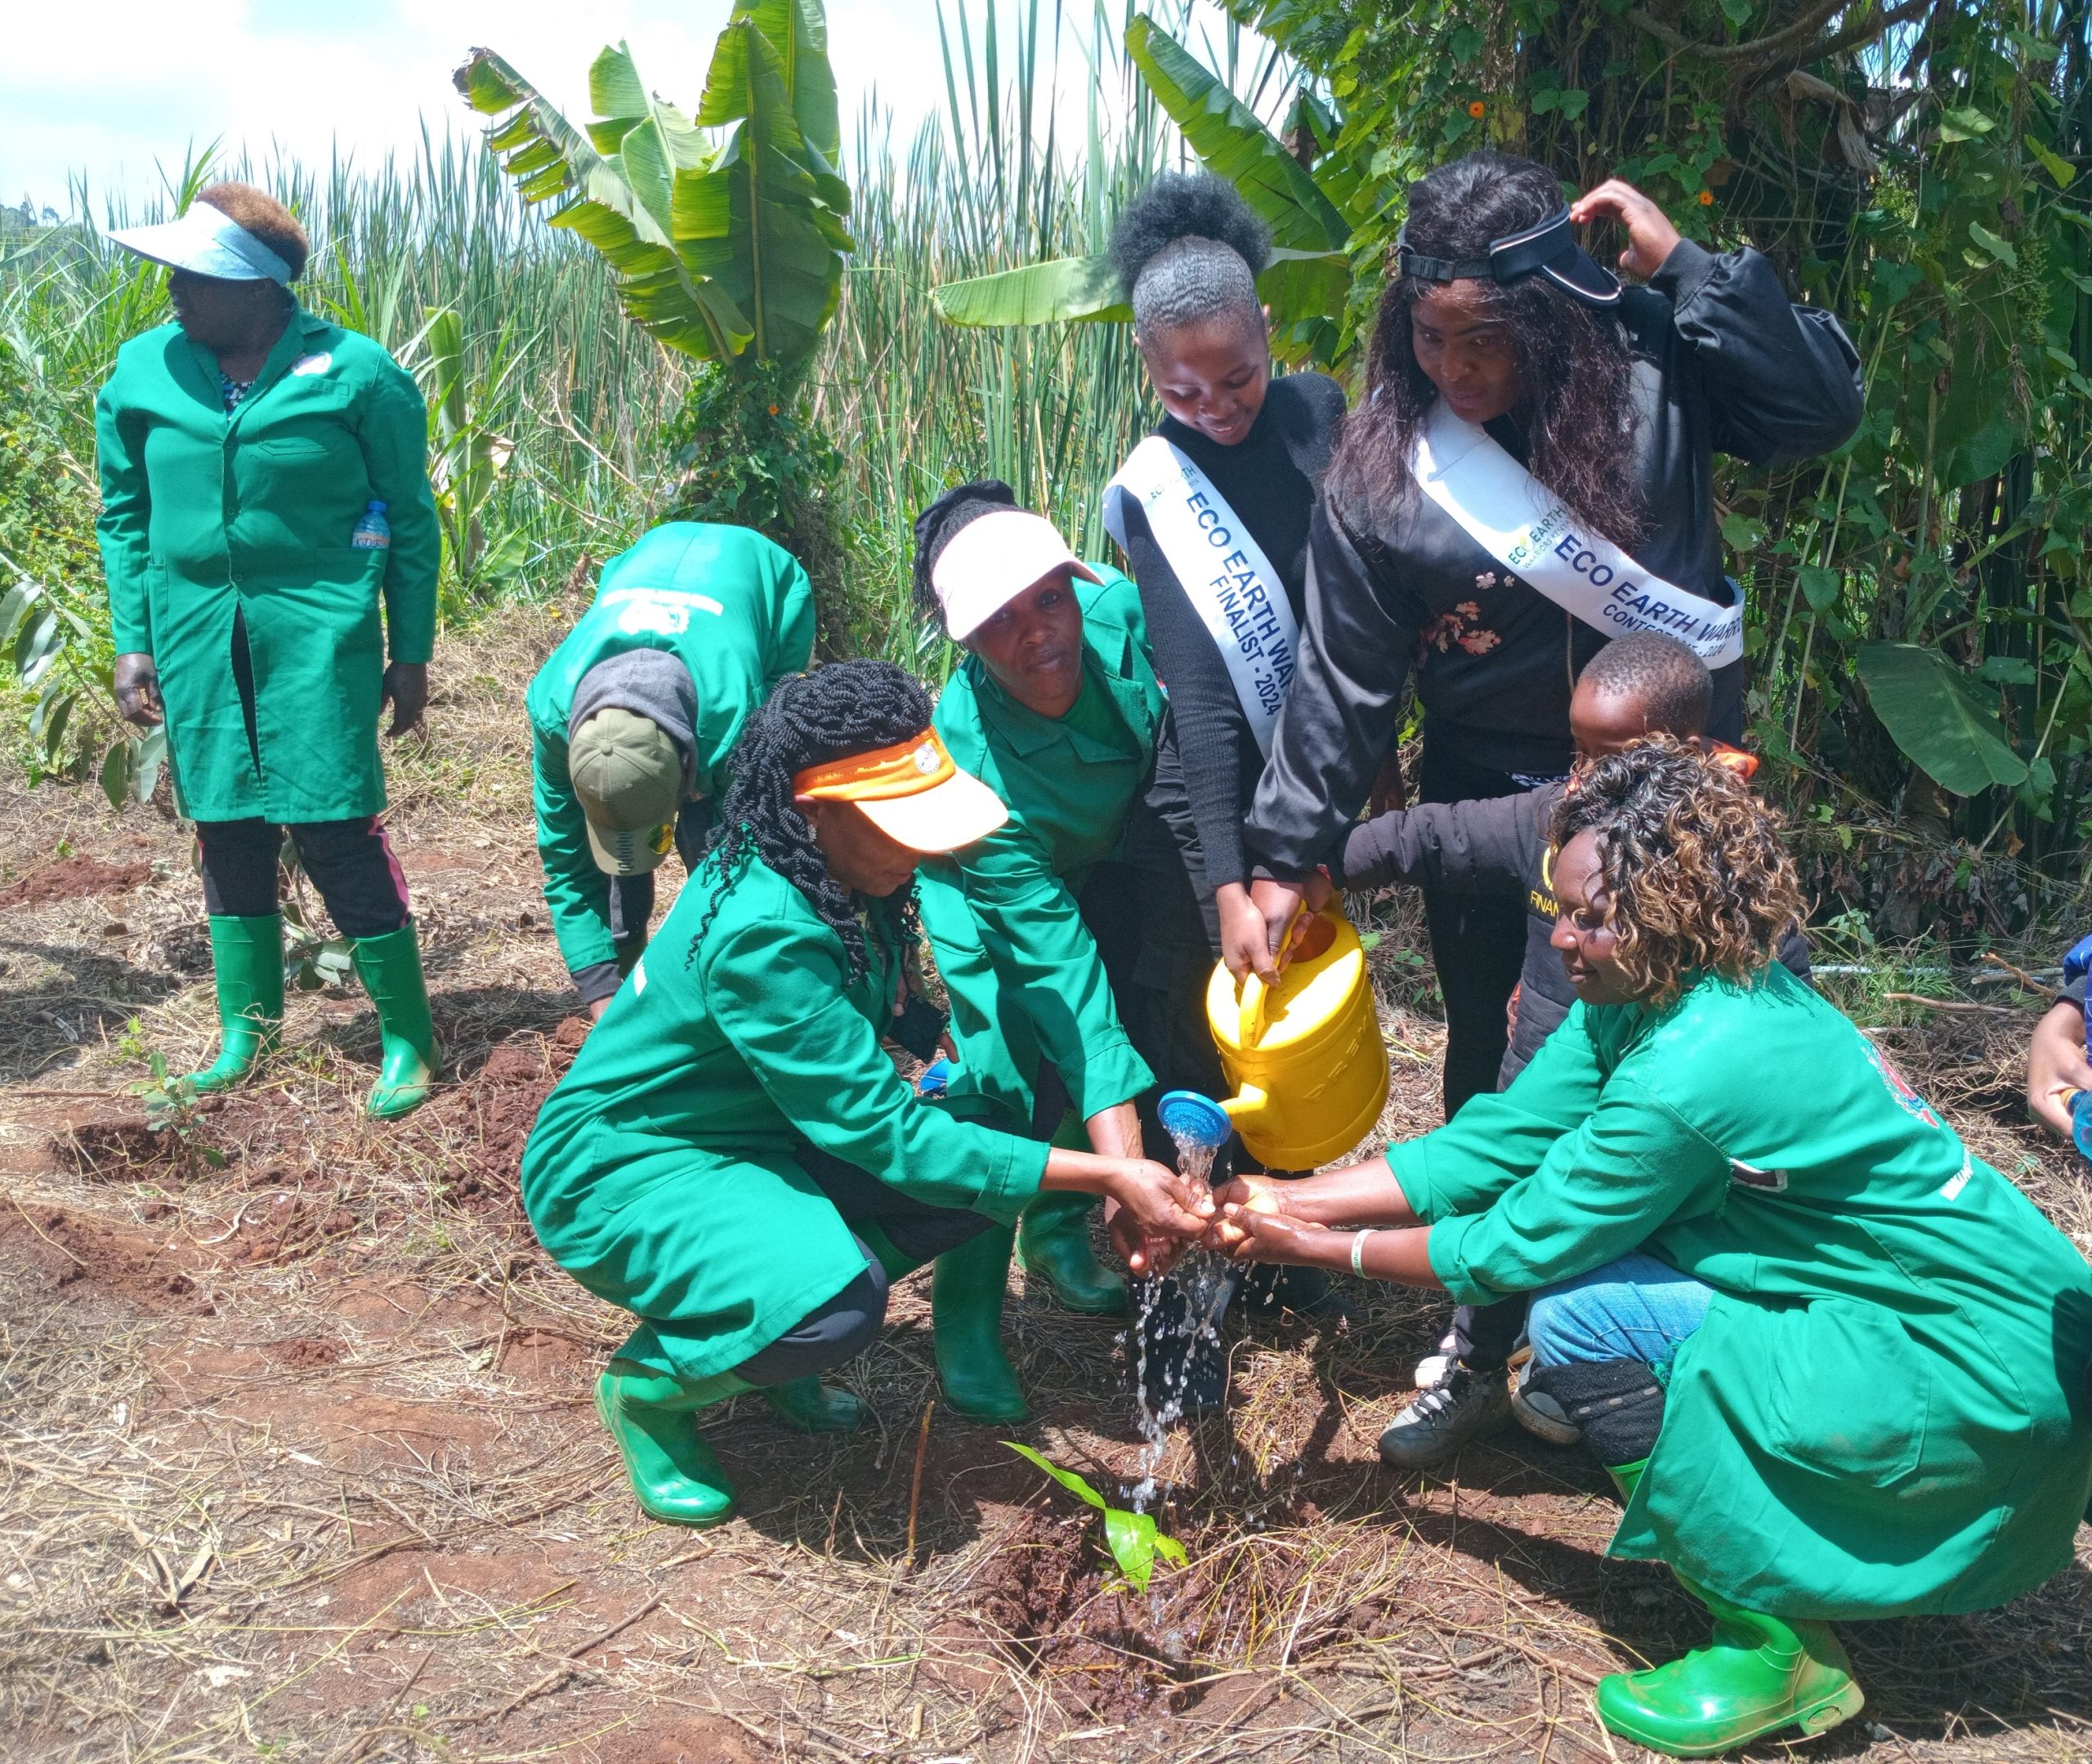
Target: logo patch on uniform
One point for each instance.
(926, 759)
(318, 363)
(1743, 1175)
(1900, 1087)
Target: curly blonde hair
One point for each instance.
(1697, 879)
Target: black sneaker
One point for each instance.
(1439, 1421)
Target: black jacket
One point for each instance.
(1270, 478)
(1723, 363)
(1500, 845)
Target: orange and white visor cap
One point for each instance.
(912, 792)
(992, 560)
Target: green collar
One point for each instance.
(290, 347)
(1027, 732)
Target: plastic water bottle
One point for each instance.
(373, 532)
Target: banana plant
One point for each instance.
(725, 230)
(1308, 279)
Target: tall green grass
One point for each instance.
(914, 405)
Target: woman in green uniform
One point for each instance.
(1038, 928)
(265, 487)
(633, 717)
(733, 1157)
(1836, 1366)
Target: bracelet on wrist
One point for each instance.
(1358, 1249)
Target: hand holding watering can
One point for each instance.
(1302, 1051)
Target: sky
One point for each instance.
(107, 88)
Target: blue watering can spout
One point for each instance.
(1193, 1119)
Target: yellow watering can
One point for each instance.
(1305, 1058)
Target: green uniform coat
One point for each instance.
(1025, 981)
(206, 514)
(661, 1175)
(737, 610)
(1883, 1412)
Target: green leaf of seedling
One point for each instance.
(1131, 1537)
(1068, 1479)
(1998, 248)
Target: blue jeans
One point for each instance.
(1636, 1308)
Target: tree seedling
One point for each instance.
(170, 1107)
(1132, 1538)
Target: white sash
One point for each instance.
(1225, 575)
(1528, 530)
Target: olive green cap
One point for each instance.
(628, 777)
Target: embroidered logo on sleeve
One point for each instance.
(318, 363)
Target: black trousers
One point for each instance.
(1477, 941)
(349, 862)
(844, 1326)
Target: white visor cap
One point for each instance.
(206, 242)
(992, 560)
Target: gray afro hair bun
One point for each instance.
(1189, 248)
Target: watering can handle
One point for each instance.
(1254, 995)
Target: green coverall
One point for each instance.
(1025, 981)
(737, 610)
(1883, 1412)
(206, 514)
(660, 1173)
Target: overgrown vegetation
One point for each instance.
(1920, 597)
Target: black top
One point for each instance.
(1721, 363)
(1498, 844)
(1269, 478)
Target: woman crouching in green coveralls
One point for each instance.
(1836, 1366)
(1039, 929)
(733, 1157)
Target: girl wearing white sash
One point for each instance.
(1529, 476)
(1212, 512)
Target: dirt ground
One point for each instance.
(301, 1463)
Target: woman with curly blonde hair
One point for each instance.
(1836, 1366)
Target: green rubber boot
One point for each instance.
(1052, 1242)
(391, 969)
(967, 1286)
(246, 963)
(813, 1407)
(671, 1471)
(1760, 1674)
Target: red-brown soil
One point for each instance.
(302, 1462)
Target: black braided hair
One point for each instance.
(1188, 248)
(939, 524)
(843, 708)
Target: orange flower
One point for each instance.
(1476, 109)
(773, 408)
(1706, 199)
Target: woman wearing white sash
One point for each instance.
(1529, 475)
(1212, 512)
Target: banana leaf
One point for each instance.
(719, 247)
(1924, 702)
(1298, 287)
(547, 158)
(1227, 137)
(1039, 293)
